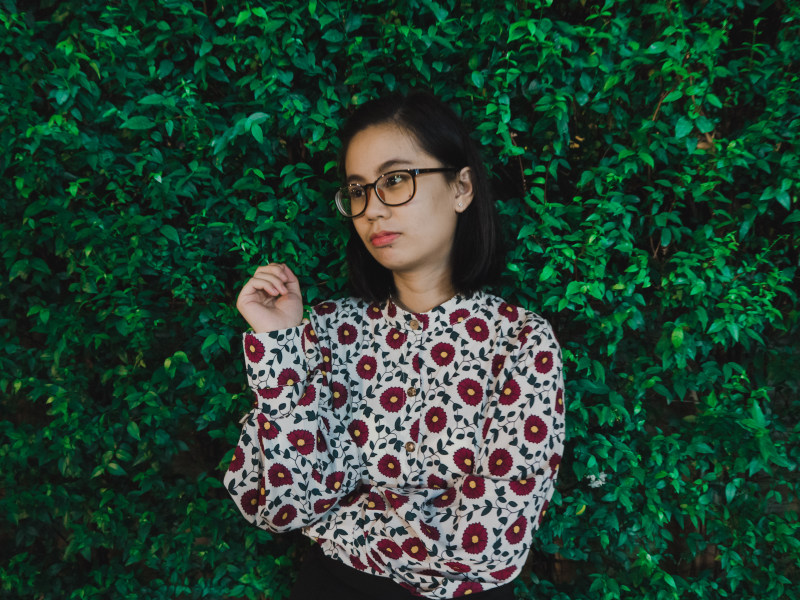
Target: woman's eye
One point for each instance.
(395, 179)
(356, 193)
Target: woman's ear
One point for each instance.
(464, 190)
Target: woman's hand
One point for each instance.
(271, 300)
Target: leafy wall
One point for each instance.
(645, 159)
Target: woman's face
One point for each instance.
(415, 237)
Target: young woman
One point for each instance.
(414, 430)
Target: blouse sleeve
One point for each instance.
(292, 464)
(481, 527)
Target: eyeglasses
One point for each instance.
(393, 189)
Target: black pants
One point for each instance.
(324, 578)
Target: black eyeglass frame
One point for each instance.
(412, 172)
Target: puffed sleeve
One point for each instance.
(478, 530)
(292, 464)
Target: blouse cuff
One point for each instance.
(276, 358)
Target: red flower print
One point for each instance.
(310, 334)
(326, 423)
(442, 354)
(325, 365)
(356, 562)
(555, 461)
(457, 316)
(504, 574)
(543, 362)
(509, 393)
(436, 483)
(477, 329)
(415, 431)
(302, 440)
(237, 462)
(253, 348)
(351, 498)
(415, 548)
(392, 311)
(376, 555)
(474, 487)
(316, 475)
(339, 394)
(430, 573)
(325, 308)
(308, 396)
(508, 311)
(288, 377)
(347, 334)
(436, 419)
(389, 466)
(560, 401)
(322, 445)
(366, 367)
(457, 567)
(393, 399)
(334, 480)
(429, 531)
(375, 501)
(374, 565)
(523, 335)
(522, 487)
(268, 393)
(445, 499)
(535, 429)
(464, 459)
(396, 500)
(470, 391)
(466, 588)
(516, 532)
(497, 364)
(250, 501)
(395, 338)
(265, 428)
(474, 539)
(279, 475)
(500, 462)
(358, 431)
(390, 549)
(543, 512)
(486, 426)
(416, 363)
(285, 515)
(423, 319)
(320, 506)
(262, 494)
(374, 312)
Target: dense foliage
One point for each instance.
(645, 159)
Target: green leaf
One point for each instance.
(133, 430)
(138, 123)
(677, 337)
(169, 232)
(258, 135)
(683, 128)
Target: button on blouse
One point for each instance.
(420, 447)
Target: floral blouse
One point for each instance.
(420, 447)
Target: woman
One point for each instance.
(415, 430)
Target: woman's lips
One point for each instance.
(383, 238)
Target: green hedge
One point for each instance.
(645, 158)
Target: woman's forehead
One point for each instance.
(379, 148)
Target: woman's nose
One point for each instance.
(375, 208)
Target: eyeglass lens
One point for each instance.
(393, 188)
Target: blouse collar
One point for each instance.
(444, 315)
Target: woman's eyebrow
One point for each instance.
(382, 168)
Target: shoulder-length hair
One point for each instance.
(477, 254)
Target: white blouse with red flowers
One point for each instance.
(421, 447)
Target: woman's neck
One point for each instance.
(420, 293)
